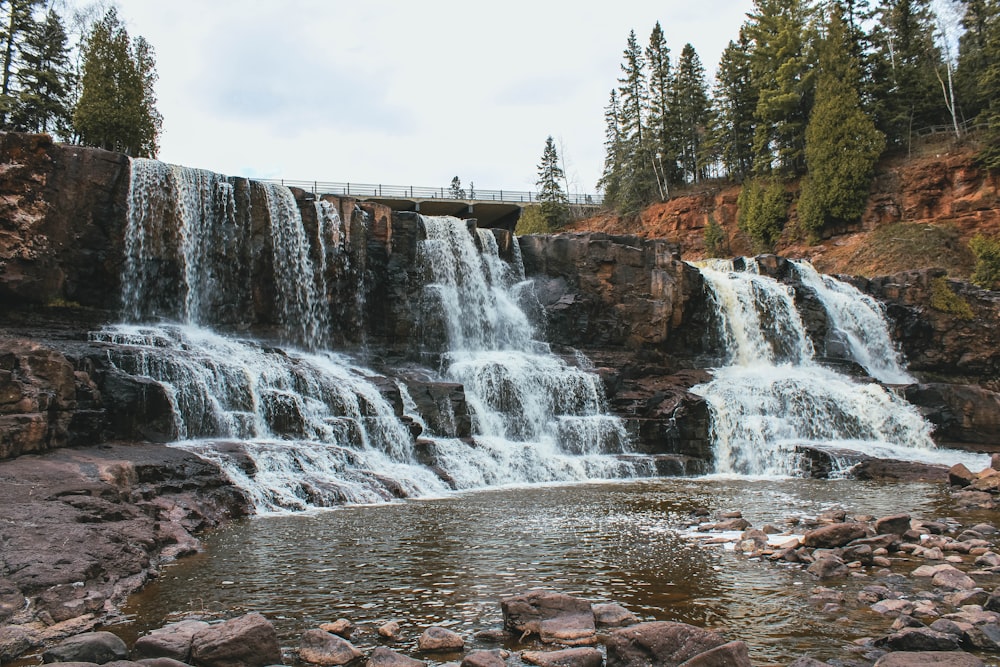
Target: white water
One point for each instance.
(773, 396)
(861, 320)
(536, 417)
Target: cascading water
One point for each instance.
(773, 396)
(537, 418)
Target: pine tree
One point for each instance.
(455, 191)
(117, 105)
(691, 114)
(553, 201)
(989, 84)
(842, 143)
(782, 70)
(907, 93)
(663, 150)
(974, 57)
(17, 23)
(614, 151)
(637, 186)
(735, 100)
(44, 80)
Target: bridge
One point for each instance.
(492, 208)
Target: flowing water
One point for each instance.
(773, 396)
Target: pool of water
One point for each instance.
(448, 561)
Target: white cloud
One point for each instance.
(401, 93)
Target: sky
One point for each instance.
(402, 93)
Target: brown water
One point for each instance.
(448, 561)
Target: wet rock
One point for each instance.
(171, 641)
(658, 643)
(611, 615)
(959, 475)
(440, 639)
(99, 647)
(962, 598)
(953, 578)
(341, 627)
(985, 637)
(897, 524)
(921, 639)
(494, 658)
(995, 461)
(246, 641)
(570, 657)
(390, 631)
(827, 568)
(993, 601)
(893, 607)
(494, 636)
(554, 617)
(861, 553)
(834, 535)
(733, 654)
(161, 662)
(929, 659)
(732, 524)
(809, 662)
(319, 647)
(384, 657)
(905, 621)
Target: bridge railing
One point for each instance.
(365, 190)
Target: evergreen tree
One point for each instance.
(117, 105)
(907, 93)
(456, 191)
(763, 211)
(44, 80)
(663, 150)
(614, 151)
(18, 21)
(691, 114)
(842, 143)
(735, 101)
(637, 186)
(989, 85)
(781, 68)
(974, 56)
(553, 201)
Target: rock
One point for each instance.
(860, 552)
(161, 662)
(99, 647)
(985, 637)
(170, 641)
(993, 601)
(962, 598)
(809, 662)
(440, 639)
(995, 461)
(897, 524)
(953, 578)
(921, 639)
(732, 524)
(959, 475)
(733, 654)
(245, 641)
(341, 627)
(988, 559)
(834, 535)
(827, 568)
(893, 607)
(319, 647)
(492, 658)
(570, 657)
(554, 617)
(390, 630)
(611, 615)
(929, 659)
(384, 657)
(658, 643)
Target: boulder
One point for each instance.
(99, 647)
(492, 658)
(385, 657)
(170, 641)
(246, 641)
(897, 524)
(660, 643)
(341, 627)
(959, 475)
(389, 631)
(954, 579)
(834, 535)
(827, 568)
(554, 617)
(611, 615)
(161, 662)
(929, 659)
(733, 654)
(808, 662)
(921, 639)
(319, 647)
(570, 657)
(437, 638)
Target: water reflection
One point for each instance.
(448, 561)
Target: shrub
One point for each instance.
(715, 240)
(987, 251)
(763, 212)
(944, 299)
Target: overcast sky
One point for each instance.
(402, 92)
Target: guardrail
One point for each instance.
(367, 190)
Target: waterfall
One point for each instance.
(860, 320)
(772, 396)
(536, 417)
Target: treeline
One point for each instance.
(95, 88)
(811, 90)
